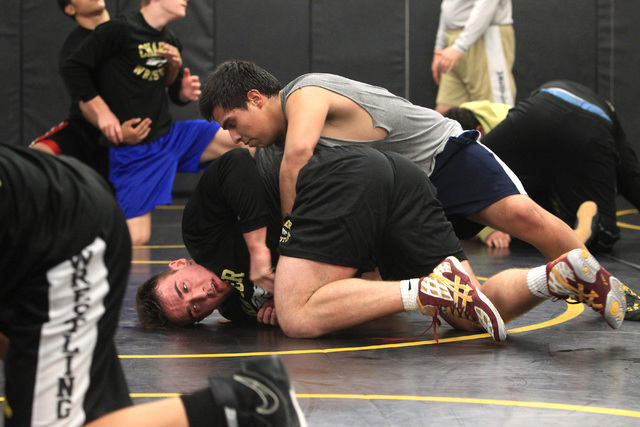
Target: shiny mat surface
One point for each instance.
(560, 365)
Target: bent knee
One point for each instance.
(139, 236)
(526, 215)
(298, 328)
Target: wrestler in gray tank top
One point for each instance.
(416, 132)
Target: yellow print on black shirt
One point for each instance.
(237, 281)
(154, 67)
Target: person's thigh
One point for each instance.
(469, 177)
(417, 235)
(297, 280)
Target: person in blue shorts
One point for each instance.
(139, 68)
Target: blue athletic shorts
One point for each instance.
(469, 177)
(143, 175)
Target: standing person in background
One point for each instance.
(136, 58)
(474, 53)
(75, 136)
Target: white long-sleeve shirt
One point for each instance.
(473, 17)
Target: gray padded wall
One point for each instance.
(592, 41)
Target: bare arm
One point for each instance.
(261, 272)
(132, 131)
(97, 112)
(307, 110)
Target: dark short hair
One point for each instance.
(151, 314)
(227, 86)
(464, 116)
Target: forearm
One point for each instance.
(479, 20)
(256, 240)
(98, 113)
(94, 109)
(288, 180)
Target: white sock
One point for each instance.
(537, 282)
(409, 291)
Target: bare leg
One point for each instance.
(165, 412)
(140, 229)
(521, 217)
(509, 293)
(220, 144)
(315, 298)
(42, 147)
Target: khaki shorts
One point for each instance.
(484, 72)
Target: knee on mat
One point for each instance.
(298, 326)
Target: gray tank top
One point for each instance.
(415, 132)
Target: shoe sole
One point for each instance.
(483, 316)
(586, 268)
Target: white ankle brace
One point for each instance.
(409, 291)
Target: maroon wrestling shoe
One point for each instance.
(449, 290)
(578, 275)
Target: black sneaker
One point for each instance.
(259, 394)
(633, 305)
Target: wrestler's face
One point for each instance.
(176, 9)
(85, 8)
(260, 125)
(191, 293)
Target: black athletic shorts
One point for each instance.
(361, 208)
(79, 139)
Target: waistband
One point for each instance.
(577, 101)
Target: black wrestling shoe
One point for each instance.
(259, 394)
(633, 305)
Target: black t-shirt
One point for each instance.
(43, 201)
(131, 73)
(232, 199)
(71, 43)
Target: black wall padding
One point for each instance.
(591, 41)
(11, 72)
(360, 39)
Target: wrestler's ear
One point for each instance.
(254, 97)
(70, 10)
(178, 264)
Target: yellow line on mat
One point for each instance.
(573, 310)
